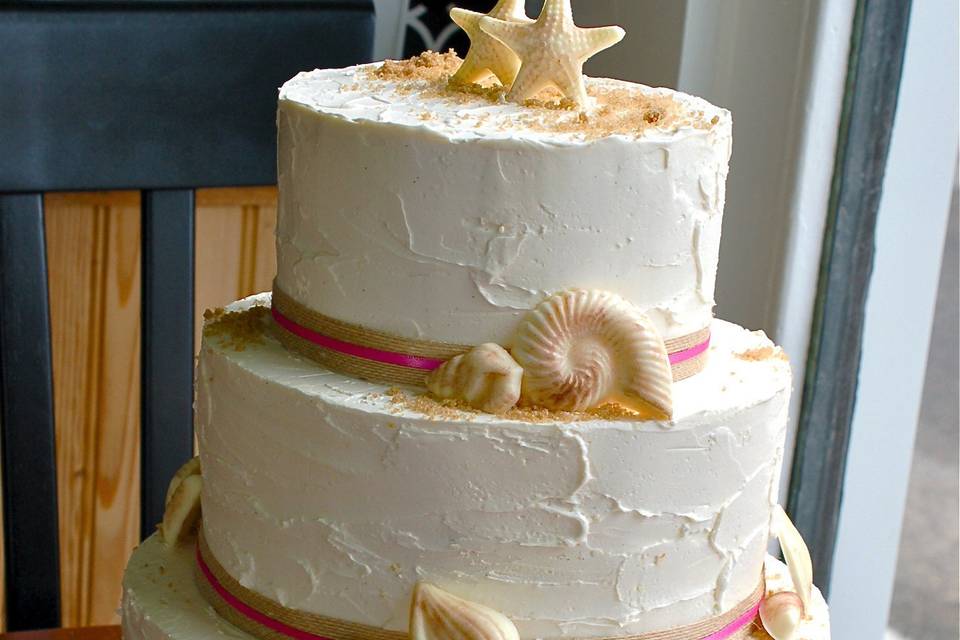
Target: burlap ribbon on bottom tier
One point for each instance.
(374, 355)
(266, 619)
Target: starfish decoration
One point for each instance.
(487, 54)
(552, 50)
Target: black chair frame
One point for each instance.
(161, 96)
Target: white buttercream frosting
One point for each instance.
(325, 495)
(161, 600)
(429, 215)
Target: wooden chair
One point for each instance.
(162, 96)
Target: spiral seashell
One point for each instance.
(438, 615)
(795, 553)
(781, 614)
(580, 348)
(486, 377)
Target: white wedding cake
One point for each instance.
(487, 398)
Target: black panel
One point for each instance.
(26, 417)
(166, 439)
(429, 26)
(157, 95)
(830, 388)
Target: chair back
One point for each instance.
(164, 97)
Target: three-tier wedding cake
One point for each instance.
(487, 398)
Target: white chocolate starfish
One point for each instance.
(487, 54)
(552, 50)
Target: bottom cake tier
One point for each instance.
(329, 503)
(161, 600)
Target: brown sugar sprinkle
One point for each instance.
(618, 110)
(763, 353)
(236, 329)
(429, 65)
(439, 409)
(756, 632)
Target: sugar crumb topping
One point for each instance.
(618, 108)
(761, 354)
(452, 409)
(236, 329)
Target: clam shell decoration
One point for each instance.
(486, 377)
(183, 503)
(191, 468)
(438, 615)
(781, 614)
(580, 349)
(795, 553)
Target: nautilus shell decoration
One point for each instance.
(182, 507)
(580, 349)
(438, 615)
(486, 377)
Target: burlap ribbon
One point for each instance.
(382, 357)
(265, 619)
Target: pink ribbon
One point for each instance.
(367, 353)
(737, 624)
(687, 354)
(297, 634)
(250, 612)
(415, 362)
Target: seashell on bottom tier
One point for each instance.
(182, 505)
(438, 615)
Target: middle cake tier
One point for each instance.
(334, 496)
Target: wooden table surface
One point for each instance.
(88, 633)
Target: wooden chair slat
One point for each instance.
(31, 542)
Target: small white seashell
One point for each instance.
(781, 614)
(438, 615)
(795, 553)
(183, 510)
(191, 468)
(486, 377)
(579, 349)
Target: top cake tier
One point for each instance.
(438, 213)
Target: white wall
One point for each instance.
(910, 235)
(387, 41)
(650, 52)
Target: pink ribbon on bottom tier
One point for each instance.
(260, 624)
